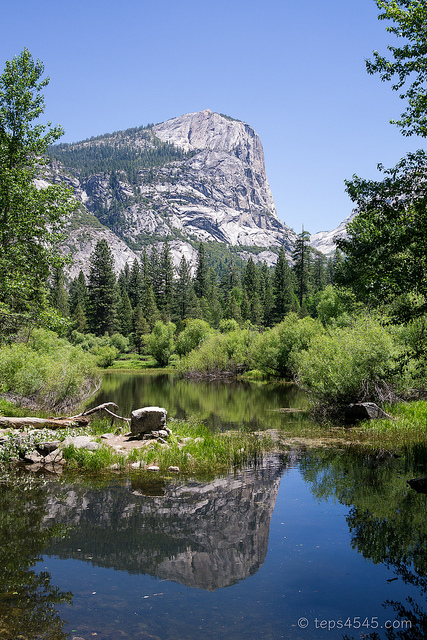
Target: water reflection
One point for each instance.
(27, 598)
(386, 520)
(220, 404)
(204, 535)
(239, 558)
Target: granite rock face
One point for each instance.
(214, 188)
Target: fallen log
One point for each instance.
(80, 420)
(41, 423)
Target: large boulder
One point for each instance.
(364, 411)
(148, 419)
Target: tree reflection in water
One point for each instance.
(386, 520)
(27, 598)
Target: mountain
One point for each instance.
(198, 177)
(323, 241)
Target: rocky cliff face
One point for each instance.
(323, 241)
(199, 177)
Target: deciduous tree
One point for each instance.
(31, 213)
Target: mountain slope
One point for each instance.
(199, 177)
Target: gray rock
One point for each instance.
(55, 457)
(81, 442)
(44, 448)
(364, 411)
(32, 457)
(173, 469)
(147, 419)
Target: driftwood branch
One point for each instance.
(80, 420)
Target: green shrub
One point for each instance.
(351, 364)
(275, 350)
(221, 352)
(47, 370)
(105, 355)
(192, 336)
(160, 343)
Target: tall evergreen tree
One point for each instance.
(59, 297)
(123, 279)
(145, 278)
(135, 290)
(301, 256)
(165, 301)
(282, 287)
(201, 278)
(102, 292)
(266, 295)
(318, 272)
(125, 315)
(78, 293)
(150, 311)
(184, 291)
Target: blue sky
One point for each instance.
(293, 70)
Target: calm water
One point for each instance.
(315, 544)
(220, 404)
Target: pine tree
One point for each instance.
(135, 291)
(102, 291)
(123, 279)
(140, 328)
(266, 295)
(201, 279)
(166, 278)
(184, 292)
(301, 256)
(79, 319)
(150, 311)
(282, 287)
(58, 296)
(125, 315)
(318, 272)
(145, 278)
(78, 293)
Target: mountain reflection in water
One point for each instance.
(316, 535)
(206, 535)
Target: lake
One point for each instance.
(316, 543)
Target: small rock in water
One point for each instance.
(153, 467)
(173, 469)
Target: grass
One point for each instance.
(195, 450)
(132, 363)
(408, 427)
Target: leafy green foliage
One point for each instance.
(351, 364)
(161, 343)
(408, 64)
(47, 371)
(192, 336)
(276, 350)
(228, 352)
(385, 248)
(31, 214)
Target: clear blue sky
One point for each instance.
(293, 70)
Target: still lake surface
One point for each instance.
(312, 544)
